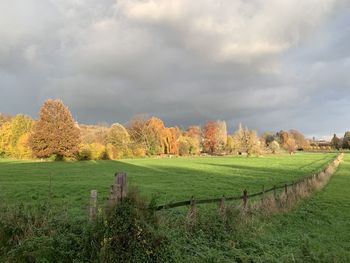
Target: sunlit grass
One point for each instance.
(67, 184)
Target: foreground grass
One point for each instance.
(67, 184)
(318, 230)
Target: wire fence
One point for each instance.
(118, 191)
(245, 196)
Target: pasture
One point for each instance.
(315, 230)
(66, 185)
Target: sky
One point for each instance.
(268, 64)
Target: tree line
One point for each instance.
(56, 135)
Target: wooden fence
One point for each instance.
(119, 191)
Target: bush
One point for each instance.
(130, 233)
(84, 153)
(93, 151)
(35, 235)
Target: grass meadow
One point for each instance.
(68, 184)
(317, 229)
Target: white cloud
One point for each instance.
(232, 30)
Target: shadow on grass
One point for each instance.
(72, 181)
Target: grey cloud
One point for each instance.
(269, 64)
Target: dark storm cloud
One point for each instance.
(268, 64)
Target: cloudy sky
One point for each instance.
(270, 64)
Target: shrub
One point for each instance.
(84, 152)
(34, 235)
(130, 233)
(93, 151)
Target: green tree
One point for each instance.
(55, 133)
(335, 142)
(346, 140)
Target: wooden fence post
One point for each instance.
(222, 205)
(191, 216)
(263, 195)
(245, 198)
(119, 189)
(93, 204)
(122, 185)
(286, 189)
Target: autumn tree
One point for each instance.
(230, 144)
(10, 133)
(195, 133)
(170, 140)
(335, 142)
(287, 141)
(94, 134)
(290, 145)
(300, 140)
(119, 138)
(55, 133)
(214, 136)
(20, 125)
(246, 141)
(251, 142)
(210, 134)
(187, 146)
(148, 133)
(274, 146)
(155, 136)
(4, 118)
(5, 139)
(23, 150)
(222, 134)
(268, 137)
(138, 130)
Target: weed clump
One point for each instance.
(128, 232)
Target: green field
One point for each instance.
(170, 179)
(316, 230)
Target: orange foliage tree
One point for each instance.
(211, 140)
(55, 133)
(194, 132)
(170, 140)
